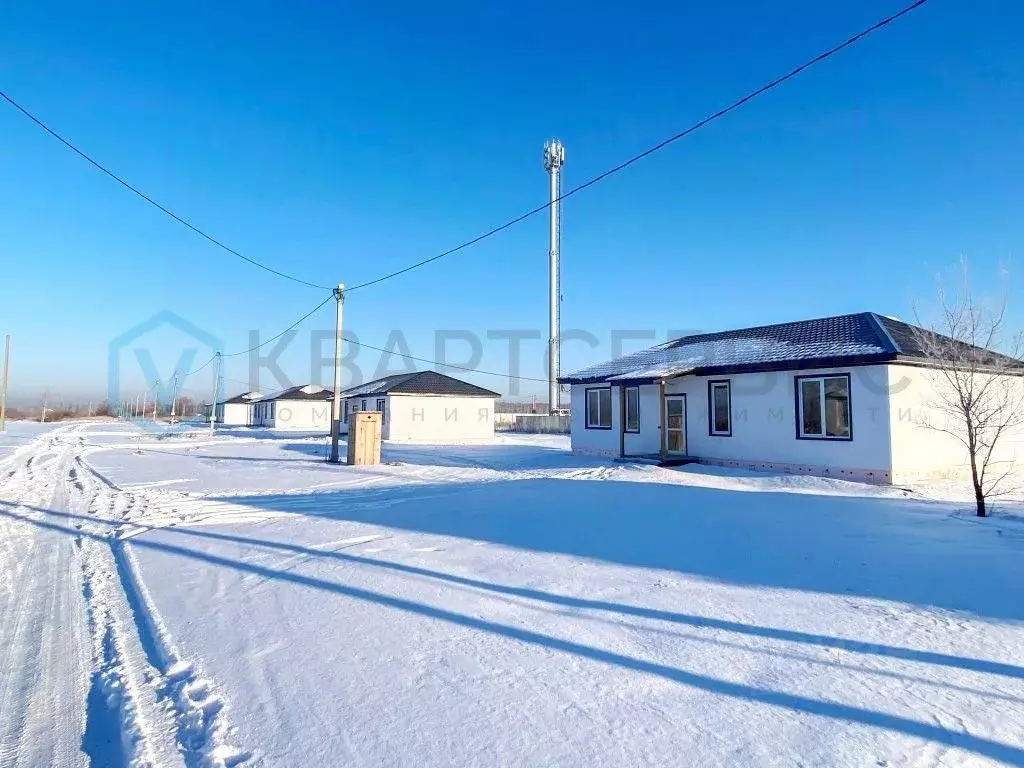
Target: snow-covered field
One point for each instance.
(233, 600)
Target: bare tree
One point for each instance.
(978, 392)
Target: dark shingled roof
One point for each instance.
(418, 383)
(245, 397)
(301, 392)
(864, 338)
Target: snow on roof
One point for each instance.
(244, 397)
(858, 339)
(846, 337)
(664, 371)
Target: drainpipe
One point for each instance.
(622, 421)
(663, 452)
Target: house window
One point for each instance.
(380, 406)
(362, 405)
(273, 410)
(599, 408)
(632, 409)
(823, 407)
(719, 408)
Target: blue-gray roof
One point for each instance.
(864, 338)
(418, 383)
(300, 392)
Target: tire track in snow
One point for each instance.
(121, 673)
(41, 624)
(198, 719)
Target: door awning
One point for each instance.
(653, 374)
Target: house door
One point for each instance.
(675, 424)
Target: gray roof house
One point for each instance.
(238, 410)
(425, 406)
(844, 396)
(303, 408)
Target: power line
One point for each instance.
(96, 164)
(388, 352)
(262, 343)
(282, 333)
(657, 147)
(350, 341)
(438, 362)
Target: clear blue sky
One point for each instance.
(341, 140)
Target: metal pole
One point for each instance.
(174, 394)
(339, 295)
(3, 387)
(42, 414)
(213, 401)
(554, 158)
(553, 296)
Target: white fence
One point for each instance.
(535, 423)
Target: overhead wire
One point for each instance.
(655, 148)
(402, 355)
(473, 241)
(159, 206)
(440, 363)
(262, 344)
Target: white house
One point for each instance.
(425, 406)
(237, 411)
(304, 408)
(845, 396)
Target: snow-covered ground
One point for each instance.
(195, 600)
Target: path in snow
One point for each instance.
(89, 675)
(42, 622)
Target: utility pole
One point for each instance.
(339, 296)
(174, 394)
(3, 386)
(554, 159)
(42, 414)
(213, 401)
(156, 399)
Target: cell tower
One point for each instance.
(554, 159)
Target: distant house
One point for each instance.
(425, 406)
(237, 411)
(843, 396)
(304, 408)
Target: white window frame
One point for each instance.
(586, 407)
(725, 384)
(625, 421)
(799, 382)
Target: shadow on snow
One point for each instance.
(753, 538)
